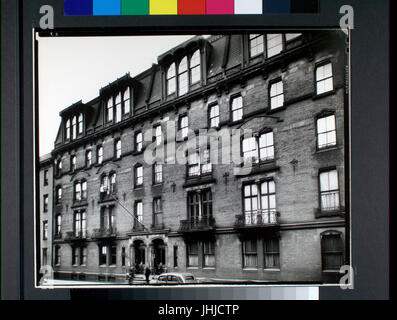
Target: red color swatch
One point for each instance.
(191, 6)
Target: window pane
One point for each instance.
(290, 36)
(274, 44)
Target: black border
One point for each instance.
(370, 136)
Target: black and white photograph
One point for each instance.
(193, 160)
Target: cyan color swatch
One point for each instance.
(107, 7)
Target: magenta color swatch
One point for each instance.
(220, 6)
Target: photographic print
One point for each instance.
(193, 159)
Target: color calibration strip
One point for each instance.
(186, 7)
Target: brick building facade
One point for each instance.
(283, 220)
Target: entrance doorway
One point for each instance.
(159, 262)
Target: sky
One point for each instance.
(76, 68)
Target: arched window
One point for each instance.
(118, 107)
(67, 129)
(195, 70)
(81, 123)
(183, 81)
(109, 110)
(74, 127)
(171, 79)
(127, 100)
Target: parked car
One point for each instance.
(176, 278)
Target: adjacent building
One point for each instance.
(45, 209)
(282, 220)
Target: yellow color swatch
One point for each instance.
(163, 7)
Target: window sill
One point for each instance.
(275, 110)
(319, 213)
(192, 268)
(139, 187)
(325, 149)
(250, 269)
(236, 122)
(324, 94)
(209, 268)
(271, 270)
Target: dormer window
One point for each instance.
(74, 128)
(81, 123)
(274, 44)
(171, 79)
(195, 70)
(127, 101)
(67, 129)
(109, 110)
(256, 44)
(183, 81)
(187, 73)
(118, 107)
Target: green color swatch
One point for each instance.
(134, 7)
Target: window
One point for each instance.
(184, 126)
(200, 207)
(260, 205)
(58, 225)
(183, 81)
(326, 132)
(73, 161)
(138, 142)
(108, 184)
(192, 254)
(81, 123)
(331, 250)
(80, 224)
(171, 79)
(80, 190)
(237, 108)
(45, 230)
(329, 190)
(271, 249)
(57, 256)
(199, 163)
(46, 177)
(45, 203)
(100, 155)
(158, 173)
(107, 218)
(45, 256)
(158, 136)
(291, 36)
(117, 149)
(276, 95)
(250, 254)
(123, 255)
(138, 175)
(88, 159)
(195, 70)
(67, 133)
(256, 44)
(113, 254)
(74, 128)
(112, 179)
(83, 260)
(175, 256)
(103, 253)
(157, 212)
(58, 167)
(209, 253)
(259, 148)
(127, 101)
(324, 79)
(118, 107)
(213, 116)
(58, 194)
(274, 44)
(109, 109)
(138, 222)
